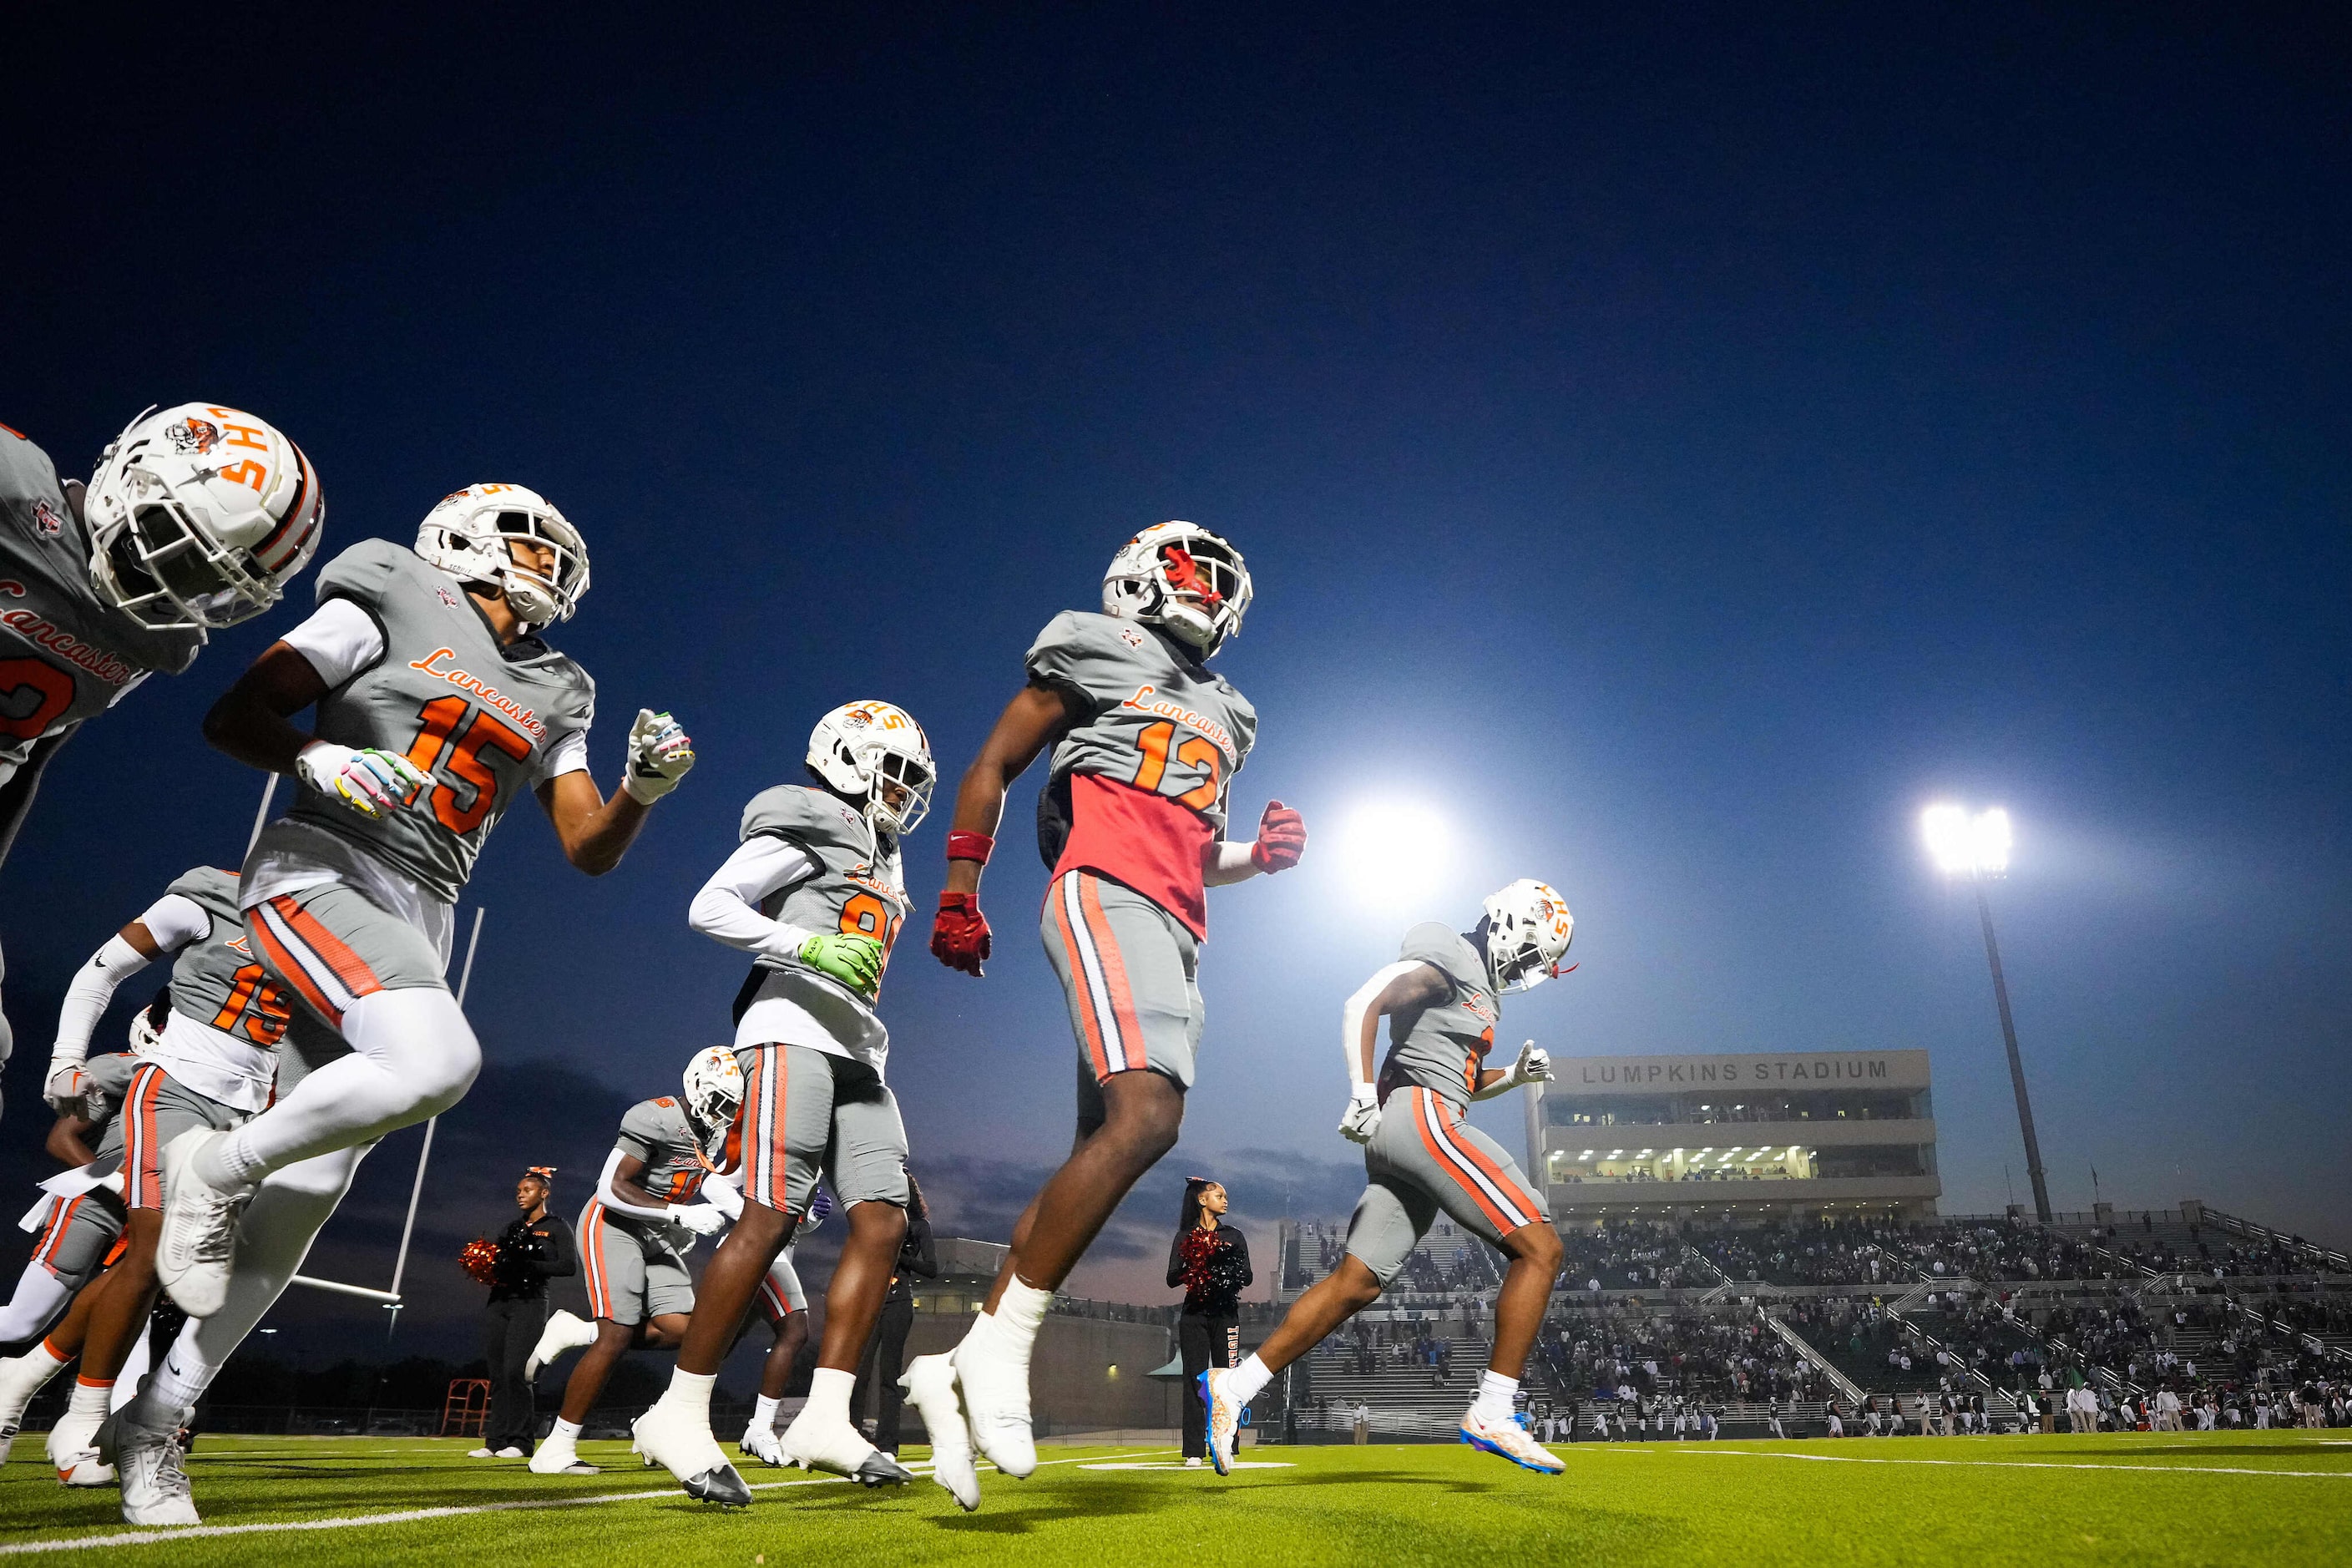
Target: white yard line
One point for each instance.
(2014, 1464)
(412, 1516)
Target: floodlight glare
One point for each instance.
(1393, 853)
(1961, 842)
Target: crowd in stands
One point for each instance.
(1620, 1353)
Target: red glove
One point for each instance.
(1281, 838)
(960, 932)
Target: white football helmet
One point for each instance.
(714, 1087)
(199, 516)
(146, 1033)
(862, 748)
(1183, 577)
(466, 535)
(1528, 929)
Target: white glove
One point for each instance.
(65, 1085)
(660, 753)
(1533, 1066)
(703, 1219)
(724, 1197)
(1363, 1117)
(372, 782)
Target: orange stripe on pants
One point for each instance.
(1132, 1050)
(1087, 1024)
(142, 1160)
(1444, 1155)
(349, 967)
(600, 1301)
(290, 971)
(1477, 1156)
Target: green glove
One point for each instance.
(855, 961)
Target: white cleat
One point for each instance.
(564, 1331)
(21, 1377)
(1224, 1421)
(996, 1403)
(145, 1449)
(199, 1239)
(760, 1444)
(679, 1440)
(1511, 1441)
(931, 1385)
(73, 1452)
(815, 1443)
(479, 1454)
(556, 1458)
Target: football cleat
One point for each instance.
(199, 1239)
(819, 1443)
(145, 1447)
(557, 1457)
(1510, 1440)
(21, 1377)
(996, 1403)
(759, 1443)
(73, 1451)
(931, 1385)
(679, 1440)
(1225, 1418)
(564, 1331)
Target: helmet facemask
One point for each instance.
(1183, 578)
(876, 756)
(899, 795)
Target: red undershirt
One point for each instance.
(1148, 841)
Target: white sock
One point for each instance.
(28, 1374)
(691, 1390)
(829, 1396)
(764, 1413)
(183, 1378)
(1018, 1316)
(229, 1162)
(1495, 1393)
(91, 1398)
(1246, 1379)
(565, 1432)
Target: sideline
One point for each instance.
(166, 1534)
(2015, 1464)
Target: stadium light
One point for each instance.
(1978, 847)
(1393, 853)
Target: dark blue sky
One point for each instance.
(1673, 449)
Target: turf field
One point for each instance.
(2271, 1497)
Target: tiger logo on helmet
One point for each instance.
(1528, 929)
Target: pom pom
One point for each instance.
(480, 1257)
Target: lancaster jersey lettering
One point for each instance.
(1138, 784)
(482, 720)
(66, 655)
(1444, 1046)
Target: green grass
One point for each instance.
(2217, 1498)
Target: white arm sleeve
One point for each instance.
(1351, 1019)
(86, 998)
(615, 1202)
(1225, 862)
(728, 908)
(721, 1193)
(340, 639)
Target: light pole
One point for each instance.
(1979, 845)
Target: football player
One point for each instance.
(211, 1067)
(1132, 822)
(1443, 997)
(648, 1207)
(437, 704)
(196, 518)
(814, 892)
(783, 1303)
(81, 1233)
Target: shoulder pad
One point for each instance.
(366, 572)
(211, 889)
(1078, 644)
(1434, 943)
(807, 816)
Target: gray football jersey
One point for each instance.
(656, 1131)
(857, 885)
(66, 655)
(1442, 1047)
(1150, 717)
(216, 980)
(480, 719)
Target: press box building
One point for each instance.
(1736, 1140)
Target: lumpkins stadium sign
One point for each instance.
(1825, 1070)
